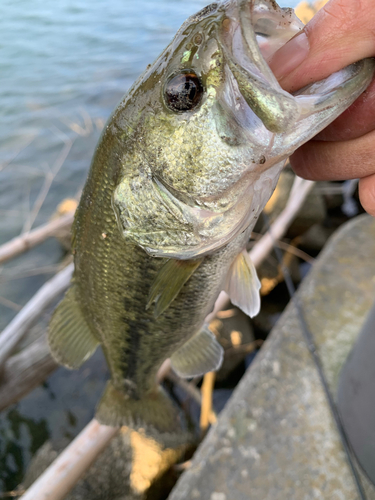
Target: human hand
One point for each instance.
(341, 33)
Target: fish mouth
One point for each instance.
(252, 31)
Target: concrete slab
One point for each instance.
(276, 438)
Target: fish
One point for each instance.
(182, 171)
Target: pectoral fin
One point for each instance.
(69, 337)
(243, 285)
(169, 281)
(199, 355)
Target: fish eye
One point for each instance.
(183, 92)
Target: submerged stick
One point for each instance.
(22, 243)
(62, 475)
(19, 325)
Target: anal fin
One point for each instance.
(243, 285)
(169, 281)
(69, 337)
(199, 355)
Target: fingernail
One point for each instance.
(290, 56)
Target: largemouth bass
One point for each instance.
(181, 173)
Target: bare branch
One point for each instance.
(22, 148)
(28, 240)
(10, 304)
(15, 274)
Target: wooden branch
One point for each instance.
(19, 325)
(61, 476)
(25, 371)
(22, 243)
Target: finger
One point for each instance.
(321, 160)
(356, 121)
(367, 193)
(341, 33)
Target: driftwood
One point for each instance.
(25, 371)
(66, 470)
(22, 243)
(20, 324)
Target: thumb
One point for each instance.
(341, 33)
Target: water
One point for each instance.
(64, 66)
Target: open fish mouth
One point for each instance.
(252, 32)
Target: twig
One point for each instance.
(60, 477)
(288, 247)
(28, 240)
(191, 391)
(262, 248)
(10, 304)
(22, 148)
(77, 128)
(15, 274)
(17, 328)
(207, 390)
(50, 176)
(295, 251)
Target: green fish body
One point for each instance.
(183, 169)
